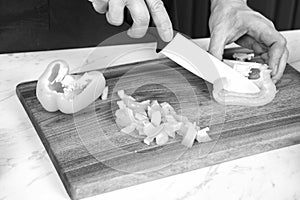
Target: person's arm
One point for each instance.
(233, 21)
(140, 11)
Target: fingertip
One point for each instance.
(281, 67)
(166, 34)
(161, 19)
(99, 6)
(169, 35)
(274, 70)
(216, 53)
(141, 18)
(275, 56)
(276, 77)
(136, 32)
(113, 21)
(216, 47)
(274, 81)
(131, 33)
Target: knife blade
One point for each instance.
(196, 60)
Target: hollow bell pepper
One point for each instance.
(58, 90)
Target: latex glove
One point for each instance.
(233, 21)
(140, 11)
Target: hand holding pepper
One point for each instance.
(233, 21)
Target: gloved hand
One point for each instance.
(140, 11)
(233, 21)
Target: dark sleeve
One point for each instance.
(78, 21)
(35, 25)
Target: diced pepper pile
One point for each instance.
(156, 122)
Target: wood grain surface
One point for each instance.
(91, 156)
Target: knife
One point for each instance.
(196, 60)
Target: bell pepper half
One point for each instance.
(58, 90)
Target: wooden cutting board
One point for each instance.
(91, 156)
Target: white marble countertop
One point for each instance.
(26, 172)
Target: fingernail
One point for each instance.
(167, 35)
(135, 33)
(274, 70)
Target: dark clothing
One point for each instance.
(32, 25)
